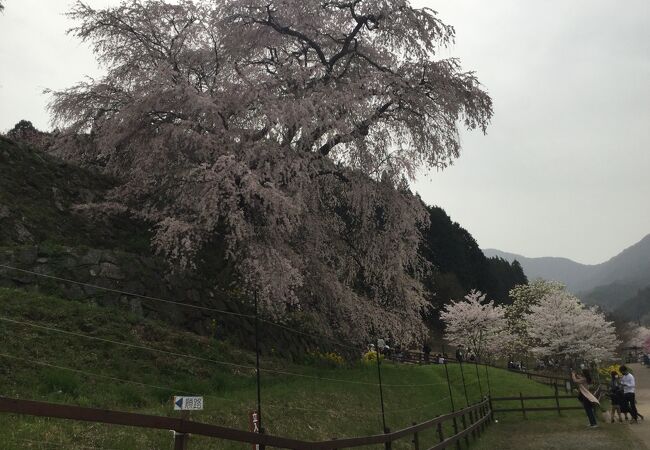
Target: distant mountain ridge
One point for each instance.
(608, 284)
(567, 271)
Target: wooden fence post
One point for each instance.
(471, 422)
(464, 428)
(557, 401)
(441, 436)
(486, 413)
(523, 408)
(180, 439)
(416, 440)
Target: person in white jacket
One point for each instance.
(629, 387)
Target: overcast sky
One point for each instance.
(564, 168)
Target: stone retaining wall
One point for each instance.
(145, 276)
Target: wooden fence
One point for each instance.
(543, 378)
(468, 423)
(417, 357)
(523, 409)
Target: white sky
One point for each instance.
(564, 168)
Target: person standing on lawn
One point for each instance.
(616, 397)
(586, 398)
(629, 387)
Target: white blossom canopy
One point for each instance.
(286, 131)
(474, 323)
(561, 326)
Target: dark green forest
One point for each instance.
(460, 265)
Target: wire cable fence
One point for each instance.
(395, 391)
(285, 407)
(188, 305)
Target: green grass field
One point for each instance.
(308, 401)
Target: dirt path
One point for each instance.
(570, 432)
(642, 377)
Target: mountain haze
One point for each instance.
(567, 271)
(607, 284)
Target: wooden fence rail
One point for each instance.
(476, 417)
(524, 409)
(418, 357)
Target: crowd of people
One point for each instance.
(621, 391)
(622, 394)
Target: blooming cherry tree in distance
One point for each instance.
(560, 326)
(474, 323)
(524, 297)
(285, 132)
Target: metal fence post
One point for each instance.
(557, 401)
(523, 408)
(462, 375)
(441, 435)
(389, 444)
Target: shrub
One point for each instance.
(371, 356)
(609, 369)
(326, 359)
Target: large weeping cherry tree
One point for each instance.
(286, 130)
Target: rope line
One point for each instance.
(199, 358)
(181, 391)
(98, 375)
(57, 444)
(188, 305)
(419, 407)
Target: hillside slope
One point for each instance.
(636, 308)
(87, 363)
(37, 197)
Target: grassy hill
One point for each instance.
(313, 400)
(37, 197)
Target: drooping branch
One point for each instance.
(360, 130)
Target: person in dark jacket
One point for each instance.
(459, 354)
(616, 397)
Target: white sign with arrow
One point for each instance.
(182, 403)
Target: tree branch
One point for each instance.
(360, 130)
